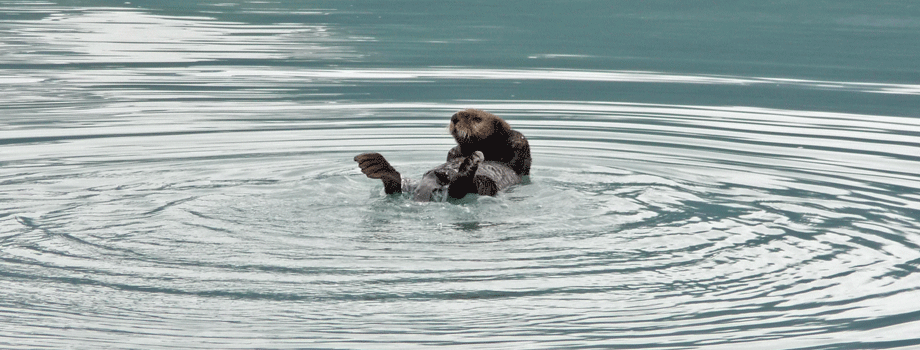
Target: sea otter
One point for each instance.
(488, 158)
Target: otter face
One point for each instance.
(471, 126)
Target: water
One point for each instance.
(704, 176)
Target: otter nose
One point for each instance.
(455, 118)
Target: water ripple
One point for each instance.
(706, 220)
(113, 35)
(212, 203)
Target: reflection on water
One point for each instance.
(186, 181)
(126, 36)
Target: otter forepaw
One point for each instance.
(471, 163)
(478, 157)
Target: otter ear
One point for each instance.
(500, 126)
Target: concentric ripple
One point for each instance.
(680, 225)
(208, 199)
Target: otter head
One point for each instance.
(472, 126)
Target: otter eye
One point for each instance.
(476, 119)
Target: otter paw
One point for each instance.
(478, 157)
(445, 176)
(470, 164)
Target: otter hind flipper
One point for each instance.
(376, 167)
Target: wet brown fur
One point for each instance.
(477, 130)
(504, 159)
(473, 126)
